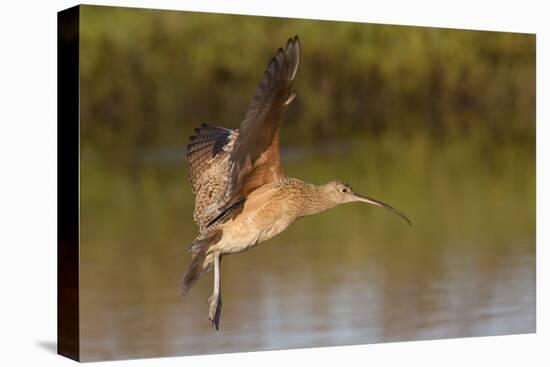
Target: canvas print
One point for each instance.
(362, 183)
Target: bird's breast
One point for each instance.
(253, 227)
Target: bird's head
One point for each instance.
(339, 192)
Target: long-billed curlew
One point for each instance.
(243, 197)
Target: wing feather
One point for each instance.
(208, 169)
(227, 165)
(255, 159)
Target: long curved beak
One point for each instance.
(365, 199)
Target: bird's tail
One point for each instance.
(194, 272)
(200, 261)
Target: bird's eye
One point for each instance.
(344, 190)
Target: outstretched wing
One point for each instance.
(226, 165)
(255, 159)
(208, 169)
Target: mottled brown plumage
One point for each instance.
(208, 157)
(243, 197)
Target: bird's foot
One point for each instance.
(215, 311)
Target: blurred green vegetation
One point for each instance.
(439, 122)
(148, 77)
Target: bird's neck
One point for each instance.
(309, 199)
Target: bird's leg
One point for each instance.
(216, 299)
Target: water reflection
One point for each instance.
(294, 303)
(353, 275)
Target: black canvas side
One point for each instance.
(68, 341)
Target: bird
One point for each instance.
(243, 197)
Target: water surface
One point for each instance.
(353, 275)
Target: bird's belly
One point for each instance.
(246, 232)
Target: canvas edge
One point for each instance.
(68, 216)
